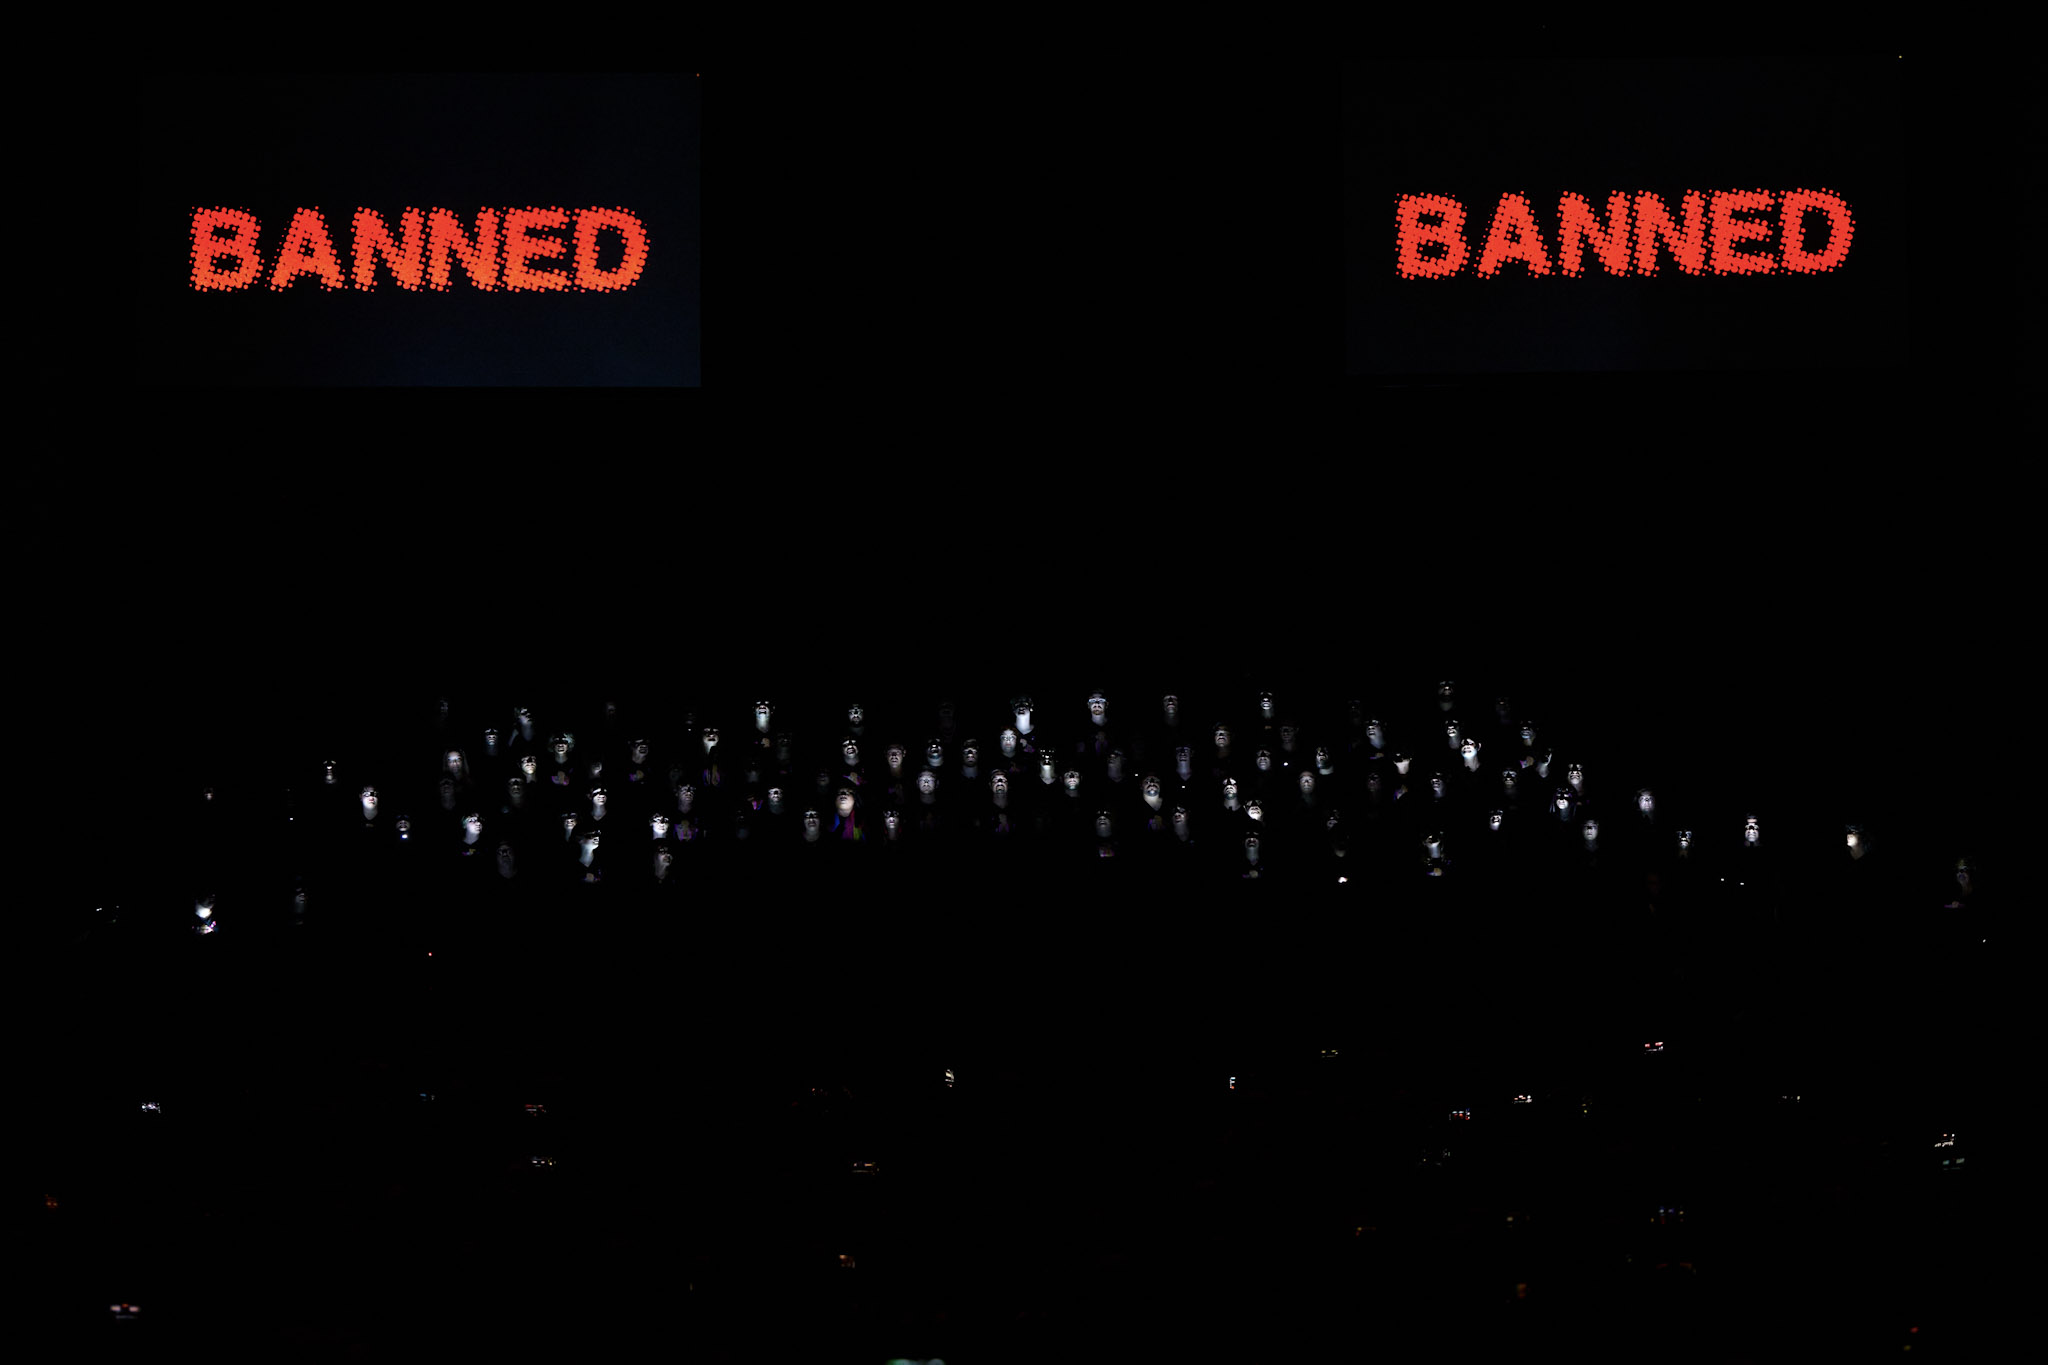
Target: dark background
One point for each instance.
(1543, 124)
(342, 142)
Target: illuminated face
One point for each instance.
(1493, 820)
(1528, 734)
(1266, 705)
(369, 800)
(1254, 810)
(844, 803)
(890, 822)
(1592, 830)
(1073, 780)
(1451, 730)
(1436, 785)
(639, 751)
(1152, 789)
(1024, 716)
(1045, 768)
(660, 826)
(1685, 839)
(1230, 788)
(1251, 848)
(810, 822)
(926, 784)
(1749, 832)
(522, 716)
(1854, 839)
(934, 754)
(1434, 845)
(404, 829)
(710, 737)
(1264, 758)
(1184, 762)
(1096, 707)
(895, 757)
(589, 842)
(329, 766)
(1222, 737)
(775, 800)
(1564, 798)
(1007, 742)
(1172, 707)
(1645, 802)
(853, 715)
(529, 766)
(560, 747)
(1469, 751)
(1375, 735)
(970, 756)
(1308, 783)
(473, 825)
(490, 741)
(1401, 762)
(663, 858)
(761, 714)
(999, 784)
(454, 763)
(1180, 817)
(686, 796)
(1576, 776)
(1102, 824)
(598, 798)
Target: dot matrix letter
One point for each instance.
(307, 250)
(224, 232)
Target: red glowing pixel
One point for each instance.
(426, 241)
(1429, 235)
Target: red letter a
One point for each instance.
(1513, 236)
(307, 250)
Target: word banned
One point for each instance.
(494, 255)
(1429, 234)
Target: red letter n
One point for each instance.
(224, 232)
(373, 240)
(1576, 226)
(1653, 220)
(479, 258)
(1425, 249)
